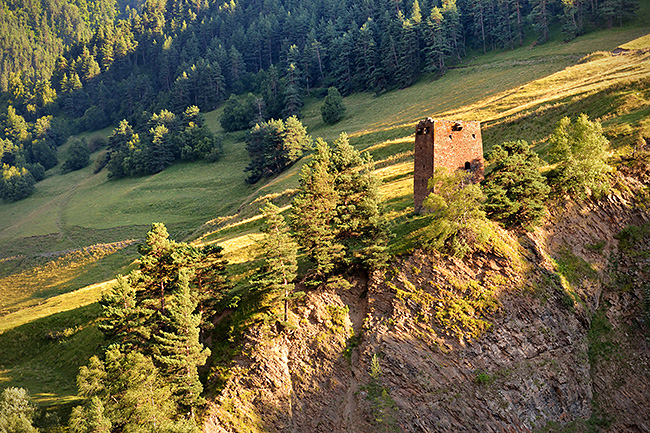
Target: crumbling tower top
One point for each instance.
(455, 145)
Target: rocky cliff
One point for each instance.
(546, 334)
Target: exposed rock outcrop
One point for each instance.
(541, 337)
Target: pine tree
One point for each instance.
(436, 43)
(132, 393)
(294, 79)
(159, 267)
(280, 255)
(160, 152)
(295, 140)
(314, 210)
(540, 17)
(360, 224)
(177, 348)
(515, 188)
(123, 318)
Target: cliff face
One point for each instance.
(541, 337)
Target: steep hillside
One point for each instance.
(80, 228)
(540, 336)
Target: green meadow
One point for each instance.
(60, 248)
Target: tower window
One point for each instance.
(468, 166)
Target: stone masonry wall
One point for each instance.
(444, 143)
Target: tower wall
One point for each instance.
(444, 143)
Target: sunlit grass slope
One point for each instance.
(80, 228)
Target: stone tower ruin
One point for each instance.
(445, 143)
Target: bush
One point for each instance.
(101, 162)
(237, 115)
(333, 108)
(78, 156)
(44, 154)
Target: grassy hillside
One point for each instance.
(79, 228)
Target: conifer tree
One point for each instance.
(177, 348)
(436, 43)
(333, 108)
(280, 255)
(515, 188)
(294, 87)
(360, 225)
(159, 267)
(123, 318)
(132, 393)
(314, 210)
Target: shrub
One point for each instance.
(456, 215)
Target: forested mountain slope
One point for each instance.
(80, 228)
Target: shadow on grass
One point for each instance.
(44, 356)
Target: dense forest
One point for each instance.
(73, 66)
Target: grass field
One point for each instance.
(80, 229)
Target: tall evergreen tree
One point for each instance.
(280, 255)
(123, 318)
(177, 348)
(314, 210)
(361, 226)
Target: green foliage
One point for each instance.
(15, 183)
(78, 156)
(601, 343)
(515, 189)
(333, 108)
(165, 139)
(16, 411)
(136, 307)
(456, 219)
(483, 378)
(463, 311)
(125, 392)
(579, 149)
(384, 407)
(274, 146)
(336, 214)
(237, 115)
(177, 348)
(280, 258)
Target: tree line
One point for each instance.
(92, 65)
(175, 54)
